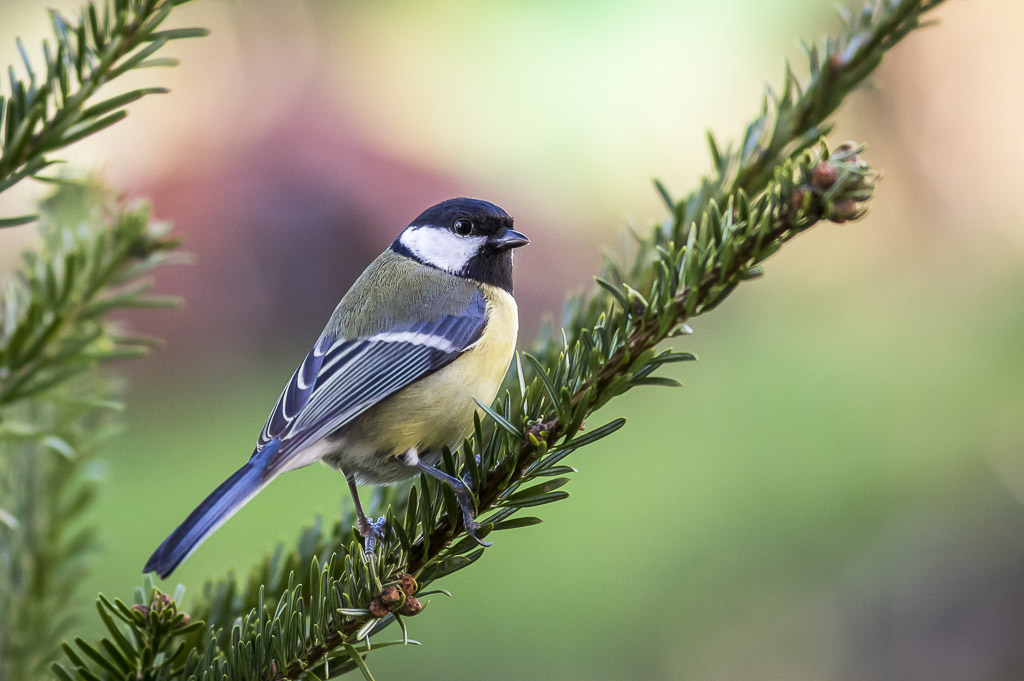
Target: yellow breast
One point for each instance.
(437, 410)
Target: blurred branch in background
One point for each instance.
(95, 260)
(779, 183)
(56, 406)
(39, 116)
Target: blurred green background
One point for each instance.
(835, 494)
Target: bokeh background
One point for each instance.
(835, 494)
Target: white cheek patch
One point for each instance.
(441, 248)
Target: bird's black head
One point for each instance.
(465, 237)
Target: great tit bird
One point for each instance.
(429, 327)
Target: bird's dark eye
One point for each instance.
(463, 227)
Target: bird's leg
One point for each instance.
(370, 531)
(460, 490)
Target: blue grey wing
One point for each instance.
(342, 378)
(296, 394)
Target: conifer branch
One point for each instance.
(97, 258)
(56, 410)
(39, 115)
(798, 116)
(781, 181)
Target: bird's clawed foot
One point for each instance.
(471, 527)
(371, 532)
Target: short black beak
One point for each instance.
(510, 239)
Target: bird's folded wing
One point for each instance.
(341, 378)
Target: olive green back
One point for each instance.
(396, 290)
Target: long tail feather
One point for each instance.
(213, 512)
